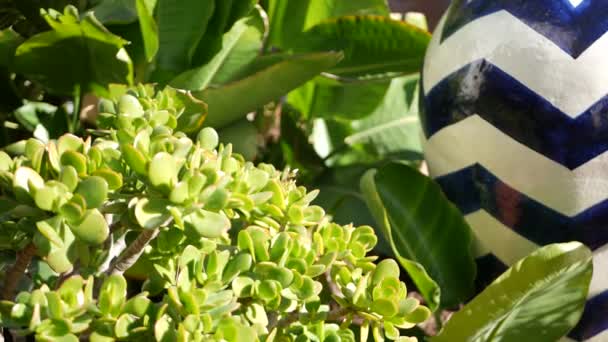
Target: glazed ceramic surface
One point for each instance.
(516, 130)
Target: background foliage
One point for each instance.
(327, 88)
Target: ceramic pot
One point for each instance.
(515, 118)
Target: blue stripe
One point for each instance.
(484, 89)
(594, 320)
(572, 29)
(476, 188)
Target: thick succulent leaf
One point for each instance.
(152, 213)
(286, 28)
(414, 214)
(94, 56)
(540, 298)
(371, 45)
(263, 85)
(240, 46)
(92, 229)
(181, 25)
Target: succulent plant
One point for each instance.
(228, 251)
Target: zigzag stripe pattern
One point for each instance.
(521, 52)
(476, 188)
(475, 141)
(519, 112)
(572, 25)
(508, 247)
(515, 124)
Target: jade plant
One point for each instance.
(140, 231)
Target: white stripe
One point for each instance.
(498, 239)
(474, 140)
(572, 85)
(509, 247)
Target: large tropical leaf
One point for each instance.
(388, 130)
(393, 126)
(9, 41)
(371, 44)
(116, 11)
(327, 98)
(93, 56)
(540, 298)
(234, 100)
(425, 231)
(226, 13)
(240, 46)
(289, 19)
(148, 27)
(181, 25)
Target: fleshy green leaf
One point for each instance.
(112, 295)
(206, 223)
(163, 171)
(540, 298)
(94, 190)
(92, 229)
(152, 213)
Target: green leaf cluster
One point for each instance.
(238, 252)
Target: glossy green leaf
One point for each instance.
(286, 28)
(240, 46)
(93, 55)
(9, 41)
(181, 25)
(115, 11)
(540, 298)
(393, 126)
(94, 190)
(262, 86)
(243, 135)
(413, 214)
(371, 45)
(149, 29)
(92, 229)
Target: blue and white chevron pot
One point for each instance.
(515, 118)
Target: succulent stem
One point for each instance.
(15, 272)
(133, 252)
